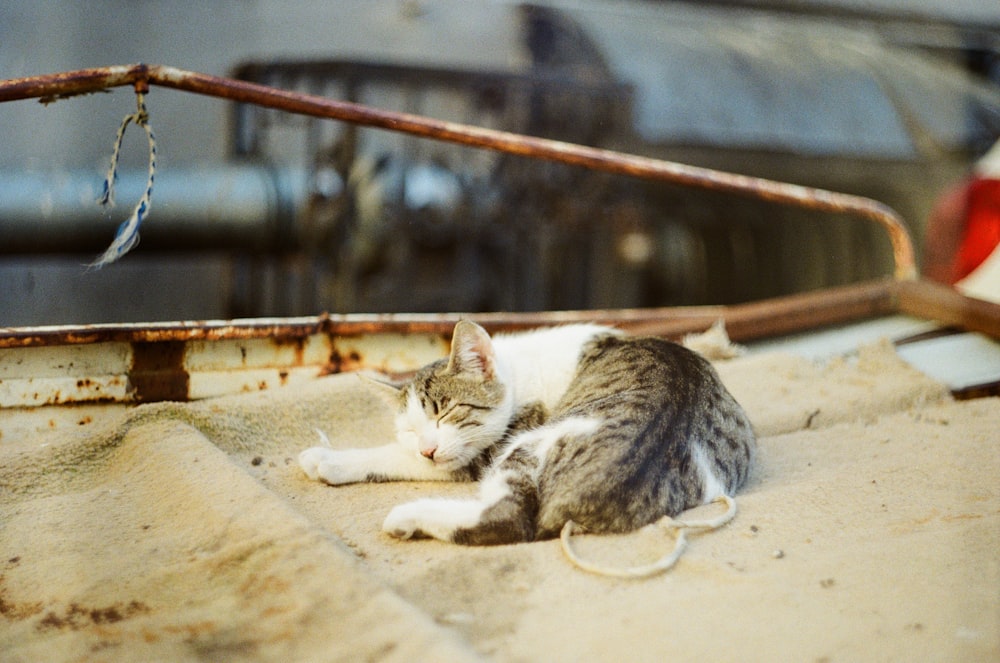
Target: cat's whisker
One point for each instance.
(323, 439)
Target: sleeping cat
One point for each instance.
(566, 423)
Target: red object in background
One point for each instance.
(982, 226)
(963, 230)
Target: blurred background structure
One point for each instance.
(258, 213)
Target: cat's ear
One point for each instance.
(388, 393)
(472, 351)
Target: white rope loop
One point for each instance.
(127, 235)
(662, 564)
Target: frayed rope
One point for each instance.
(665, 562)
(127, 235)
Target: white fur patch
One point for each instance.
(540, 440)
(390, 461)
(437, 518)
(572, 426)
(713, 487)
(493, 488)
(440, 518)
(541, 363)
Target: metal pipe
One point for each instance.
(56, 86)
(219, 207)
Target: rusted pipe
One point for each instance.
(56, 86)
(52, 87)
(744, 322)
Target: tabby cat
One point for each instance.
(577, 423)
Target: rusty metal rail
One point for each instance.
(179, 361)
(52, 87)
(744, 322)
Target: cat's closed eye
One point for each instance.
(458, 413)
(448, 410)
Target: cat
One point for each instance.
(578, 422)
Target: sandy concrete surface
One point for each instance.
(869, 530)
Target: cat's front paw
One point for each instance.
(431, 518)
(412, 521)
(402, 521)
(310, 460)
(322, 464)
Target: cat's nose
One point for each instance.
(428, 452)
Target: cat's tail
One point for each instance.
(665, 562)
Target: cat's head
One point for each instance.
(454, 408)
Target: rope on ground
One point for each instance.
(665, 562)
(127, 235)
